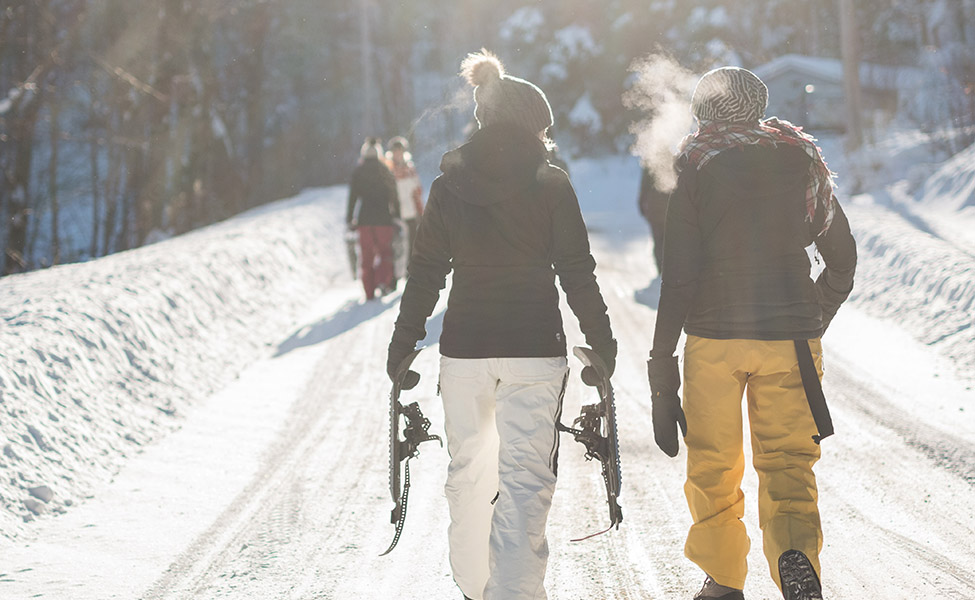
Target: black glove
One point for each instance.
(664, 377)
(396, 353)
(608, 355)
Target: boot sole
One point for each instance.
(799, 579)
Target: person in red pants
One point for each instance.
(373, 192)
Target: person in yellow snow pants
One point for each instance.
(752, 195)
(717, 373)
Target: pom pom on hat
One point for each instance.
(371, 148)
(481, 68)
(501, 98)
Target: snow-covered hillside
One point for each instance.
(915, 232)
(98, 359)
(916, 279)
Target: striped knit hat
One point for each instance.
(730, 95)
(501, 98)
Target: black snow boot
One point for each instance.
(799, 579)
(713, 590)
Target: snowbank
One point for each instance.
(99, 358)
(946, 200)
(952, 187)
(913, 228)
(920, 281)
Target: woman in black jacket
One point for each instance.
(751, 195)
(506, 223)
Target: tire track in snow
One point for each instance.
(333, 471)
(946, 450)
(902, 502)
(234, 542)
(644, 557)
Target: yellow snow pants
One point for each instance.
(716, 375)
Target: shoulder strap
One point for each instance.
(814, 391)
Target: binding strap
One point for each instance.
(814, 391)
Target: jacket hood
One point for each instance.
(498, 162)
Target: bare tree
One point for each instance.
(153, 195)
(29, 65)
(257, 25)
(366, 59)
(93, 152)
(54, 108)
(849, 46)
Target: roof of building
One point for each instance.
(873, 76)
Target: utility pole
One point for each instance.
(366, 63)
(849, 47)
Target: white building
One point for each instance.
(808, 90)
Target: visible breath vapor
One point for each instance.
(460, 100)
(662, 91)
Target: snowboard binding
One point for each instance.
(595, 428)
(415, 432)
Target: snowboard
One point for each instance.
(415, 432)
(595, 428)
(351, 241)
(401, 239)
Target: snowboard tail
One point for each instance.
(351, 240)
(595, 428)
(415, 432)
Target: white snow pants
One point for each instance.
(499, 417)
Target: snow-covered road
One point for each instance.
(276, 487)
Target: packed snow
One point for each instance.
(101, 358)
(209, 415)
(915, 244)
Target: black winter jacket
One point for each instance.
(735, 264)
(506, 223)
(375, 186)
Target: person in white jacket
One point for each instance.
(408, 189)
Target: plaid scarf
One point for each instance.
(714, 137)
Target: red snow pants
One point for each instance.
(376, 247)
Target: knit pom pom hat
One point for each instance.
(501, 98)
(371, 148)
(730, 95)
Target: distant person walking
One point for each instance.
(751, 195)
(653, 206)
(507, 223)
(373, 192)
(409, 190)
